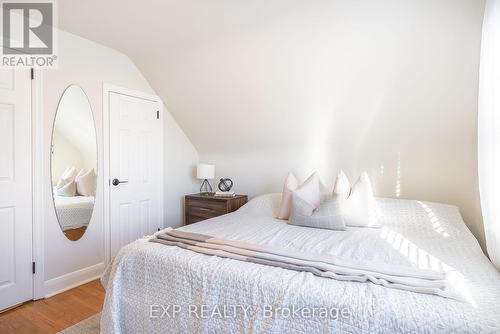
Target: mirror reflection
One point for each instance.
(74, 162)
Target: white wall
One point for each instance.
(179, 162)
(66, 155)
(88, 65)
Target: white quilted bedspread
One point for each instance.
(74, 212)
(421, 234)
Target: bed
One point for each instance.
(74, 212)
(156, 288)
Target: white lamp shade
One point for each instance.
(205, 171)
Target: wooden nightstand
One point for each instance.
(200, 207)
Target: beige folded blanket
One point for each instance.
(390, 276)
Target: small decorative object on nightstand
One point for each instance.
(205, 172)
(199, 207)
(225, 184)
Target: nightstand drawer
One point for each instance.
(206, 205)
(190, 219)
(204, 212)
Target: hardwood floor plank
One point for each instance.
(56, 313)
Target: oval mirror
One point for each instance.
(74, 162)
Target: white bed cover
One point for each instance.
(147, 278)
(75, 211)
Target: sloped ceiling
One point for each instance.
(184, 46)
(75, 122)
(239, 75)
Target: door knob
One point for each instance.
(116, 182)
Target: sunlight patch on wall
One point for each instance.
(382, 170)
(398, 177)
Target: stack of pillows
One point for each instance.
(72, 183)
(304, 205)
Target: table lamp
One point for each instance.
(205, 172)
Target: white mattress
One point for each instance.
(74, 212)
(426, 235)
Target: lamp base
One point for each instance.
(206, 188)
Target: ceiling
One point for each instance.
(165, 39)
(238, 75)
(230, 71)
(75, 121)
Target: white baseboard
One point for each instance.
(69, 281)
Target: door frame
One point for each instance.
(106, 90)
(38, 182)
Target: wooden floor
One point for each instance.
(55, 313)
(75, 233)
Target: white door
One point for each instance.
(136, 160)
(16, 278)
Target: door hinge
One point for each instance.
(157, 114)
(34, 267)
(32, 74)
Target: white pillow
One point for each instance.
(328, 215)
(67, 190)
(69, 175)
(60, 182)
(263, 205)
(361, 209)
(291, 184)
(86, 182)
(342, 186)
(309, 192)
(80, 173)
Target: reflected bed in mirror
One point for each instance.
(74, 163)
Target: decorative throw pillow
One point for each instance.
(60, 182)
(328, 215)
(361, 209)
(69, 175)
(342, 186)
(66, 178)
(80, 173)
(291, 184)
(67, 190)
(86, 183)
(309, 191)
